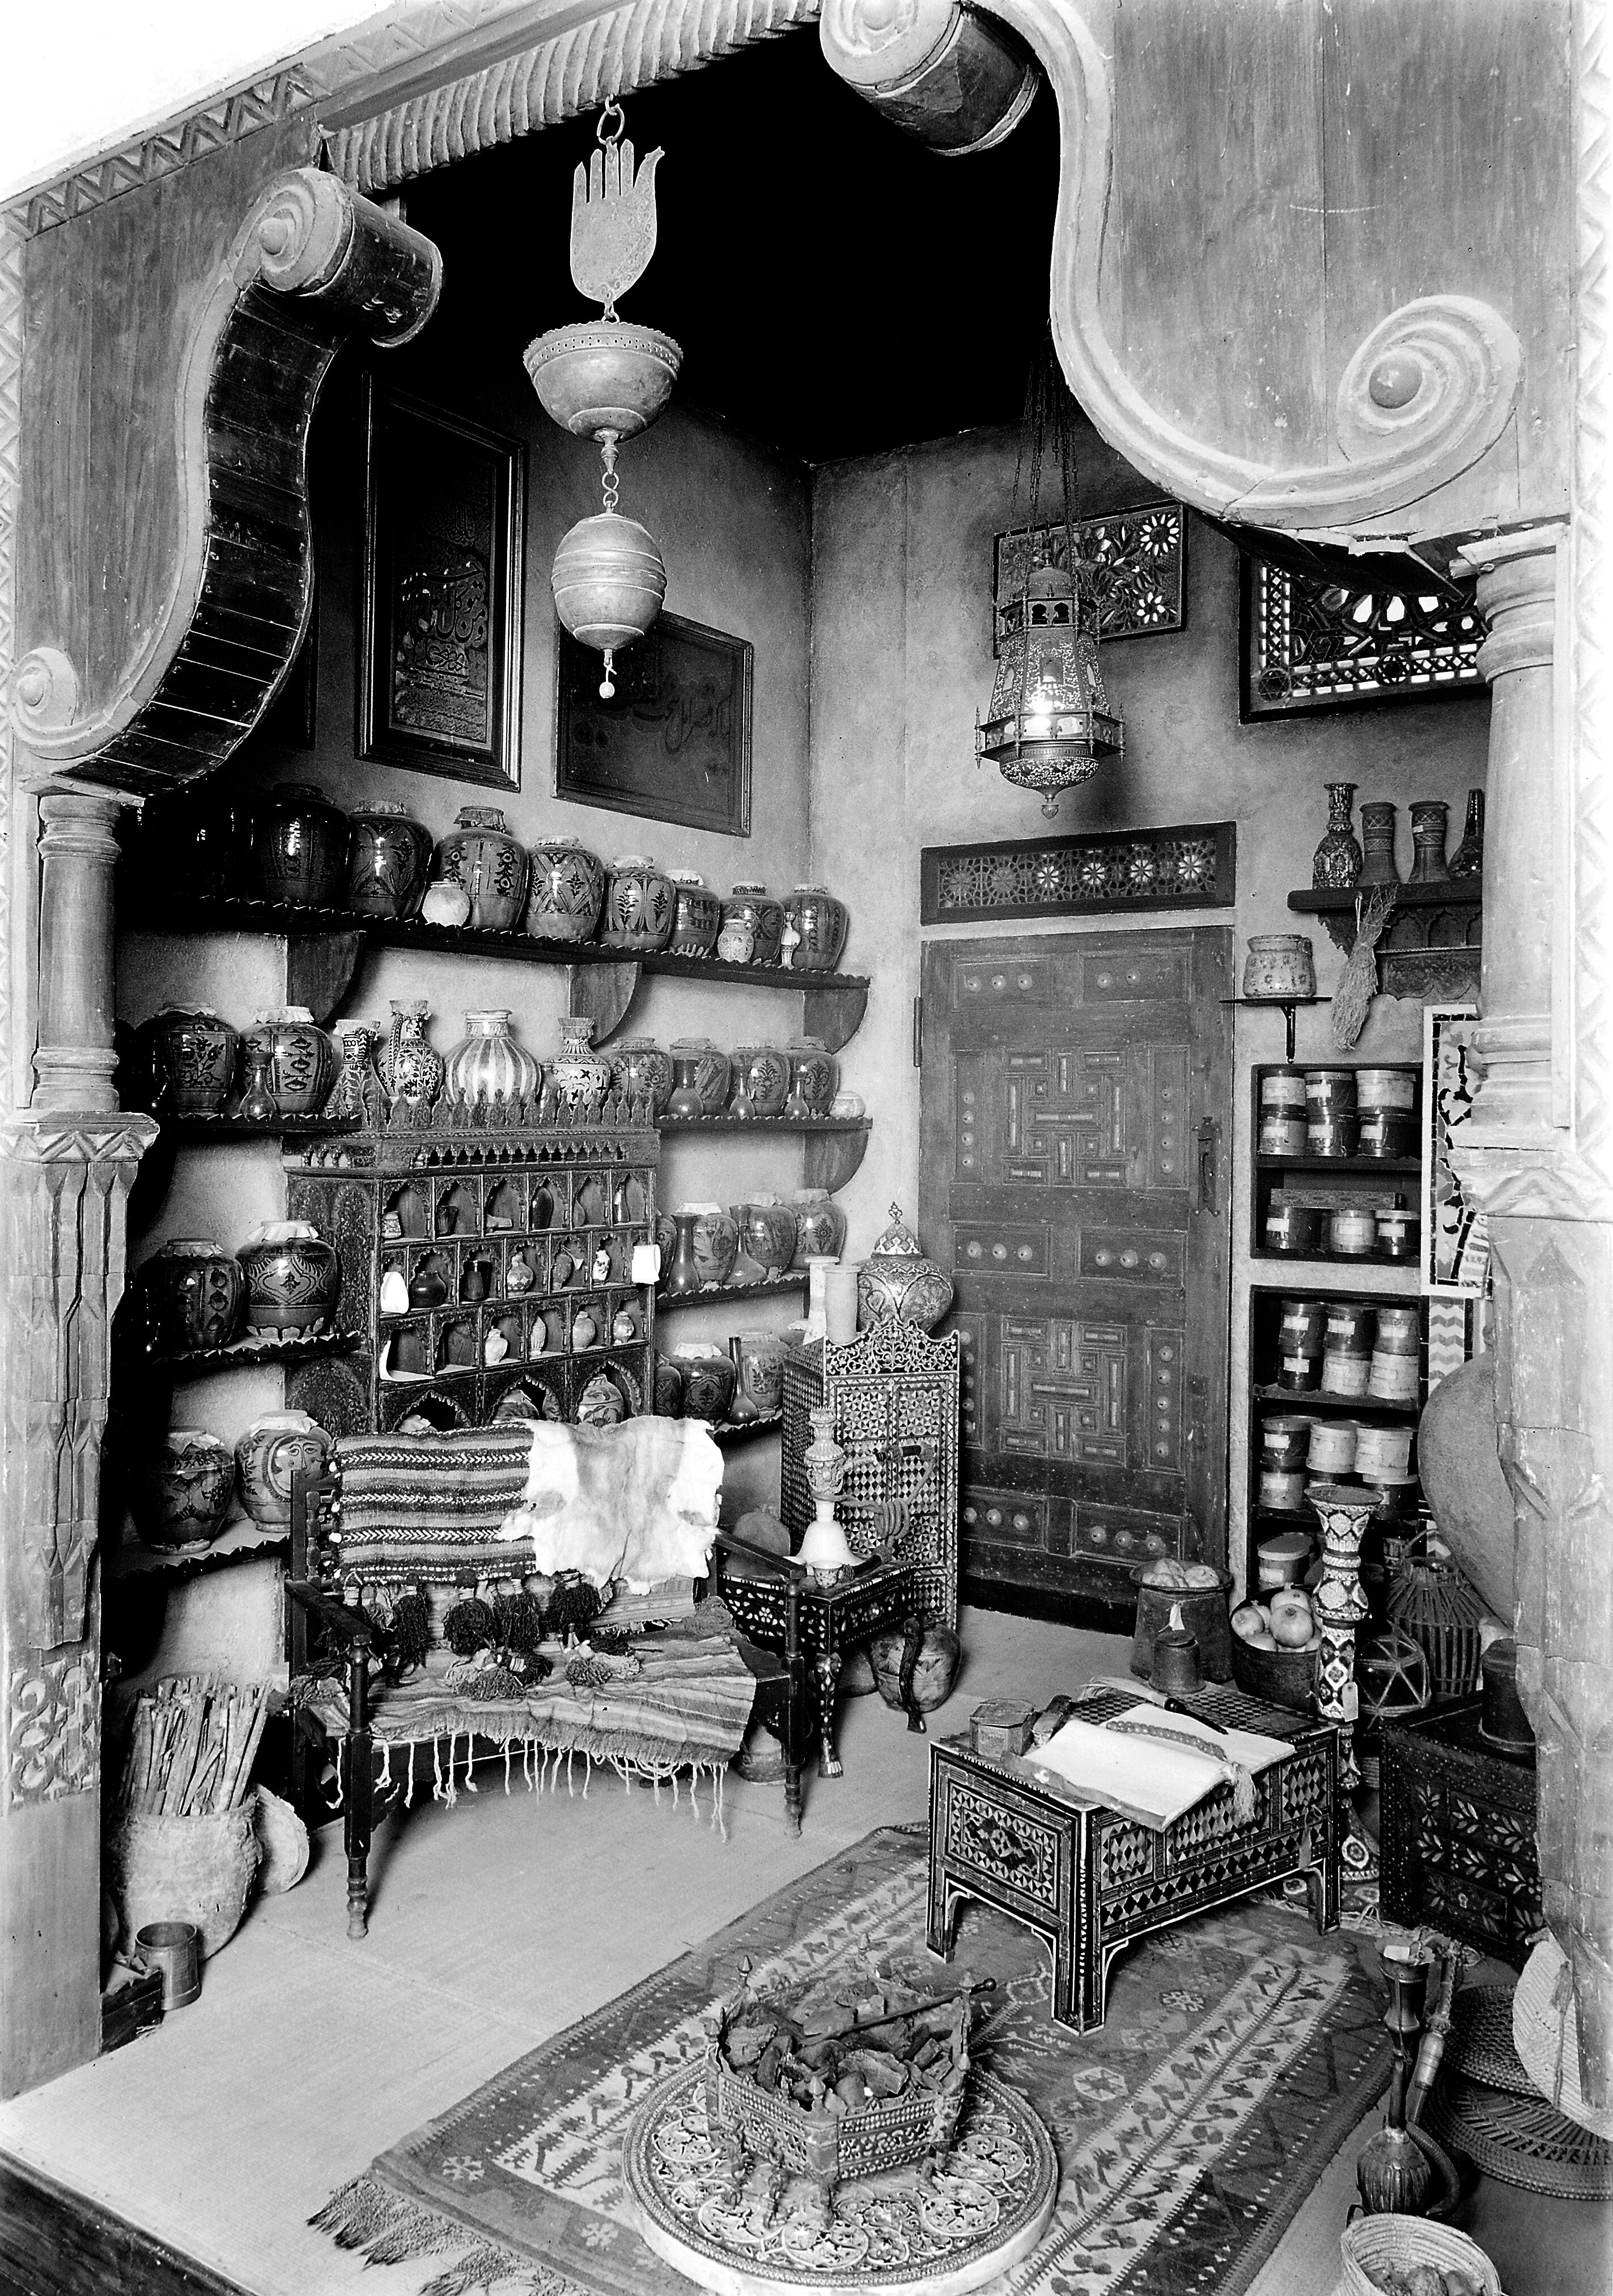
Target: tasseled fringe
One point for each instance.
(366, 2220)
(386, 1779)
(408, 1791)
(340, 1749)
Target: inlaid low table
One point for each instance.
(1093, 1880)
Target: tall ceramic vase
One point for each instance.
(1340, 1605)
(486, 1064)
(1336, 860)
(410, 1069)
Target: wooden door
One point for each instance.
(1076, 1122)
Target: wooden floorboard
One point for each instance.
(55, 2242)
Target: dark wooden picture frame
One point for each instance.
(441, 592)
(675, 740)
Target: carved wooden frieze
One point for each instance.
(53, 1725)
(1190, 865)
(1131, 564)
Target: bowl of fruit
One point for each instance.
(1274, 1647)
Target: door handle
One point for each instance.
(1209, 1155)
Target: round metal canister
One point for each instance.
(1348, 1330)
(1385, 1088)
(1343, 1374)
(1383, 1132)
(1381, 1452)
(1332, 1447)
(1397, 1331)
(1295, 1228)
(1331, 1092)
(1281, 1133)
(1353, 1230)
(1330, 1134)
(1302, 1327)
(1300, 1374)
(1283, 1090)
(1399, 1232)
(1282, 1490)
(1282, 1560)
(1285, 1439)
(1390, 1378)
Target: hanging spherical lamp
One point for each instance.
(609, 581)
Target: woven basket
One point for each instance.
(1383, 2245)
(1281, 1677)
(182, 1869)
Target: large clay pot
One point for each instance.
(708, 1384)
(819, 1226)
(814, 1078)
(714, 1240)
(916, 1666)
(489, 867)
(193, 1291)
(300, 1062)
(641, 1069)
(186, 1060)
(1463, 1483)
(389, 863)
(199, 839)
(301, 844)
(292, 1277)
(822, 922)
(761, 1081)
(273, 1449)
(1279, 965)
(756, 907)
(568, 890)
(640, 906)
(767, 1232)
(179, 1491)
(577, 1073)
(486, 1064)
(897, 1279)
(182, 1869)
(698, 919)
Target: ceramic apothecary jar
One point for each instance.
(1277, 966)
(761, 1081)
(274, 1449)
(640, 904)
(767, 1236)
(411, 1068)
(486, 1064)
(489, 867)
(640, 1069)
(898, 1279)
(822, 923)
(179, 1491)
(301, 844)
(292, 1277)
(192, 1290)
(292, 1058)
(186, 1060)
(754, 905)
(713, 1241)
(390, 861)
(568, 890)
(819, 1226)
(814, 1078)
(698, 918)
(577, 1073)
(709, 1378)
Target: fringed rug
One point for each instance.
(1240, 2051)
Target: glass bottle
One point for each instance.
(1469, 858)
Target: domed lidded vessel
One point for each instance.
(898, 1279)
(486, 1064)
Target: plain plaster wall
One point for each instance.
(901, 663)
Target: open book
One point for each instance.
(1156, 1765)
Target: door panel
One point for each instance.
(1076, 1104)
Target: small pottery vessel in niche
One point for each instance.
(1469, 858)
(1336, 860)
(822, 922)
(518, 1275)
(410, 1069)
(602, 1403)
(1428, 818)
(273, 1449)
(292, 1277)
(180, 1489)
(486, 1064)
(643, 1071)
(301, 844)
(640, 904)
(714, 1240)
(300, 1058)
(697, 919)
(767, 1231)
(754, 905)
(199, 839)
(568, 890)
(495, 1348)
(624, 1327)
(848, 1104)
(394, 1292)
(1378, 844)
(585, 1331)
(819, 1226)
(489, 866)
(186, 1060)
(1279, 965)
(428, 1287)
(762, 1075)
(193, 1290)
(897, 1279)
(389, 863)
(577, 1073)
(708, 1380)
(702, 1079)
(814, 1076)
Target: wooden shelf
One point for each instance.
(727, 1432)
(237, 1542)
(836, 1146)
(1349, 1407)
(241, 1354)
(1431, 947)
(712, 1295)
(194, 1127)
(1367, 1262)
(1339, 901)
(1354, 1167)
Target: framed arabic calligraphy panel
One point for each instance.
(675, 740)
(439, 669)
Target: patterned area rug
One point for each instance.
(1240, 2051)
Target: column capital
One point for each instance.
(1516, 580)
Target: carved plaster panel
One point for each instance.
(51, 1724)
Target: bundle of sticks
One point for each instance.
(192, 1745)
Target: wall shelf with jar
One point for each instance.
(722, 1295)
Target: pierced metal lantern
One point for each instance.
(1048, 721)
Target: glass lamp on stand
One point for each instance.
(1048, 721)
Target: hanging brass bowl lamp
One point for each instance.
(608, 379)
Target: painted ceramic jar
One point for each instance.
(200, 839)
(301, 844)
(711, 1073)
(180, 1491)
(754, 905)
(1336, 860)
(298, 1058)
(667, 1388)
(568, 890)
(390, 861)
(186, 1060)
(735, 943)
(640, 906)
(823, 922)
(292, 1277)
(714, 1241)
(1378, 844)
(761, 1078)
(897, 1279)
(1279, 965)
(819, 1226)
(697, 919)
(708, 1383)
(489, 866)
(486, 1064)
(814, 1078)
(356, 1091)
(410, 1069)
(760, 1357)
(274, 1449)
(767, 1232)
(640, 1069)
(577, 1073)
(1428, 819)
(193, 1291)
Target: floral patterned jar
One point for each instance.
(710, 1073)
(754, 906)
(814, 1078)
(486, 1064)
(760, 1355)
(698, 918)
(823, 922)
(641, 1069)
(577, 1073)
(193, 1290)
(298, 1058)
(714, 1240)
(186, 1060)
(819, 1226)
(480, 855)
(735, 943)
(568, 890)
(411, 1070)
(292, 1277)
(391, 862)
(761, 1078)
(301, 844)
(640, 906)
(273, 1449)
(766, 1235)
(897, 1279)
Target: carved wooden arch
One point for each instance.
(311, 265)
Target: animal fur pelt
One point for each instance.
(636, 1502)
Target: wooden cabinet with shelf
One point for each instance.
(1329, 1183)
(1431, 946)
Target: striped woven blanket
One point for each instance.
(429, 1507)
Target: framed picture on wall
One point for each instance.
(439, 659)
(1455, 1233)
(674, 740)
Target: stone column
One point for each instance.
(77, 852)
